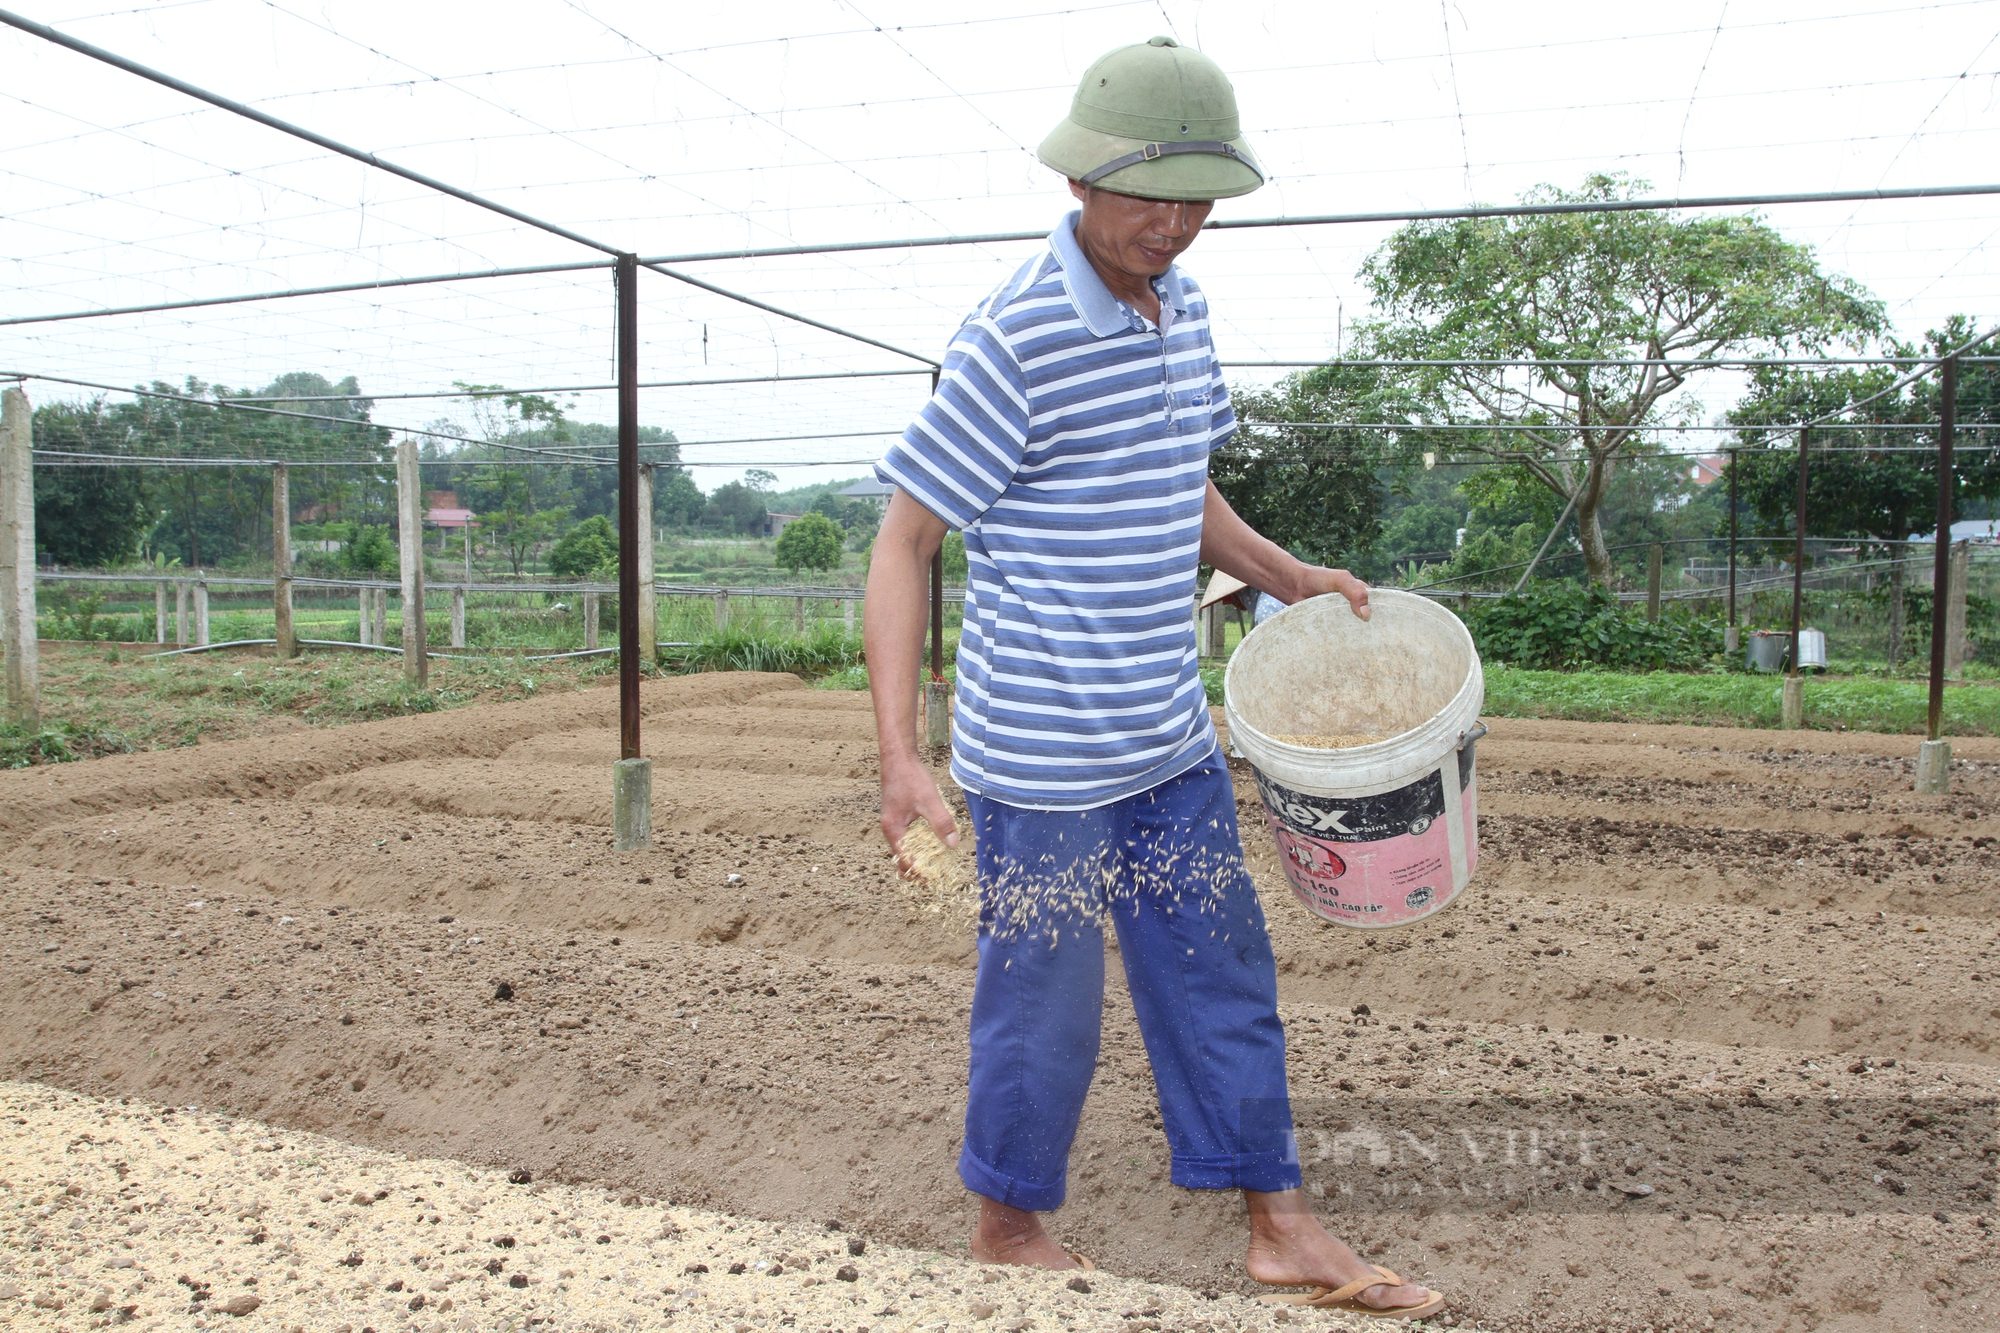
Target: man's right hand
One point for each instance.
(909, 793)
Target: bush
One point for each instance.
(369, 550)
(1563, 626)
(585, 548)
(811, 541)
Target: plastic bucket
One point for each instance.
(1381, 834)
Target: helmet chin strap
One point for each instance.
(1211, 147)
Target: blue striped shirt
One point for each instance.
(1069, 439)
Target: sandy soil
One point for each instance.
(127, 1213)
(1709, 1043)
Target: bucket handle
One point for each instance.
(1466, 738)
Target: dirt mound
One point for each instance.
(420, 940)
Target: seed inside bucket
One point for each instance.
(1347, 742)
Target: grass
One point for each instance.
(1832, 703)
(106, 701)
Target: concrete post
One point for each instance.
(798, 615)
(632, 805)
(17, 559)
(1934, 768)
(379, 632)
(458, 617)
(1793, 705)
(200, 610)
(181, 613)
(281, 561)
(649, 612)
(159, 613)
(1215, 641)
(937, 712)
(721, 610)
(365, 600)
(1732, 640)
(1954, 610)
(589, 621)
(1653, 554)
(847, 612)
(410, 516)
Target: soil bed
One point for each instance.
(1751, 969)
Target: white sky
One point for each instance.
(677, 128)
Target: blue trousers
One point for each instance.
(1166, 867)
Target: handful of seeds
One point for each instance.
(940, 878)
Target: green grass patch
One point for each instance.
(824, 648)
(1832, 703)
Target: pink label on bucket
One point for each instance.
(1379, 860)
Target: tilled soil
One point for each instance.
(1709, 1042)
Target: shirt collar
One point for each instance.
(1102, 313)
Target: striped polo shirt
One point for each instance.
(1069, 439)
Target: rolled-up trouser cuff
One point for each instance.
(984, 1181)
(1267, 1173)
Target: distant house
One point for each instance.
(1982, 531)
(866, 489)
(447, 518)
(1707, 469)
(777, 523)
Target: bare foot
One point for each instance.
(1010, 1236)
(1289, 1248)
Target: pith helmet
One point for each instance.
(1157, 120)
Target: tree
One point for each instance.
(369, 551)
(811, 541)
(1863, 479)
(1311, 489)
(735, 507)
(87, 515)
(1564, 289)
(585, 547)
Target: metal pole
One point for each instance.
(1799, 558)
(1941, 578)
(1731, 635)
(627, 278)
(281, 561)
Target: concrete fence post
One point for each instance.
(281, 561)
(721, 610)
(649, 612)
(847, 612)
(458, 617)
(159, 613)
(200, 611)
(365, 599)
(1954, 610)
(180, 613)
(590, 622)
(17, 558)
(798, 615)
(410, 512)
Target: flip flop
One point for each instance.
(1343, 1298)
(1083, 1262)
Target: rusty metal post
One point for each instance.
(1730, 640)
(631, 776)
(1941, 575)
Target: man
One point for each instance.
(1068, 439)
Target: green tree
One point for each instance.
(1560, 290)
(811, 541)
(734, 507)
(368, 550)
(87, 515)
(1311, 488)
(584, 548)
(1863, 479)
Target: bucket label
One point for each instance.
(1406, 811)
(1379, 860)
